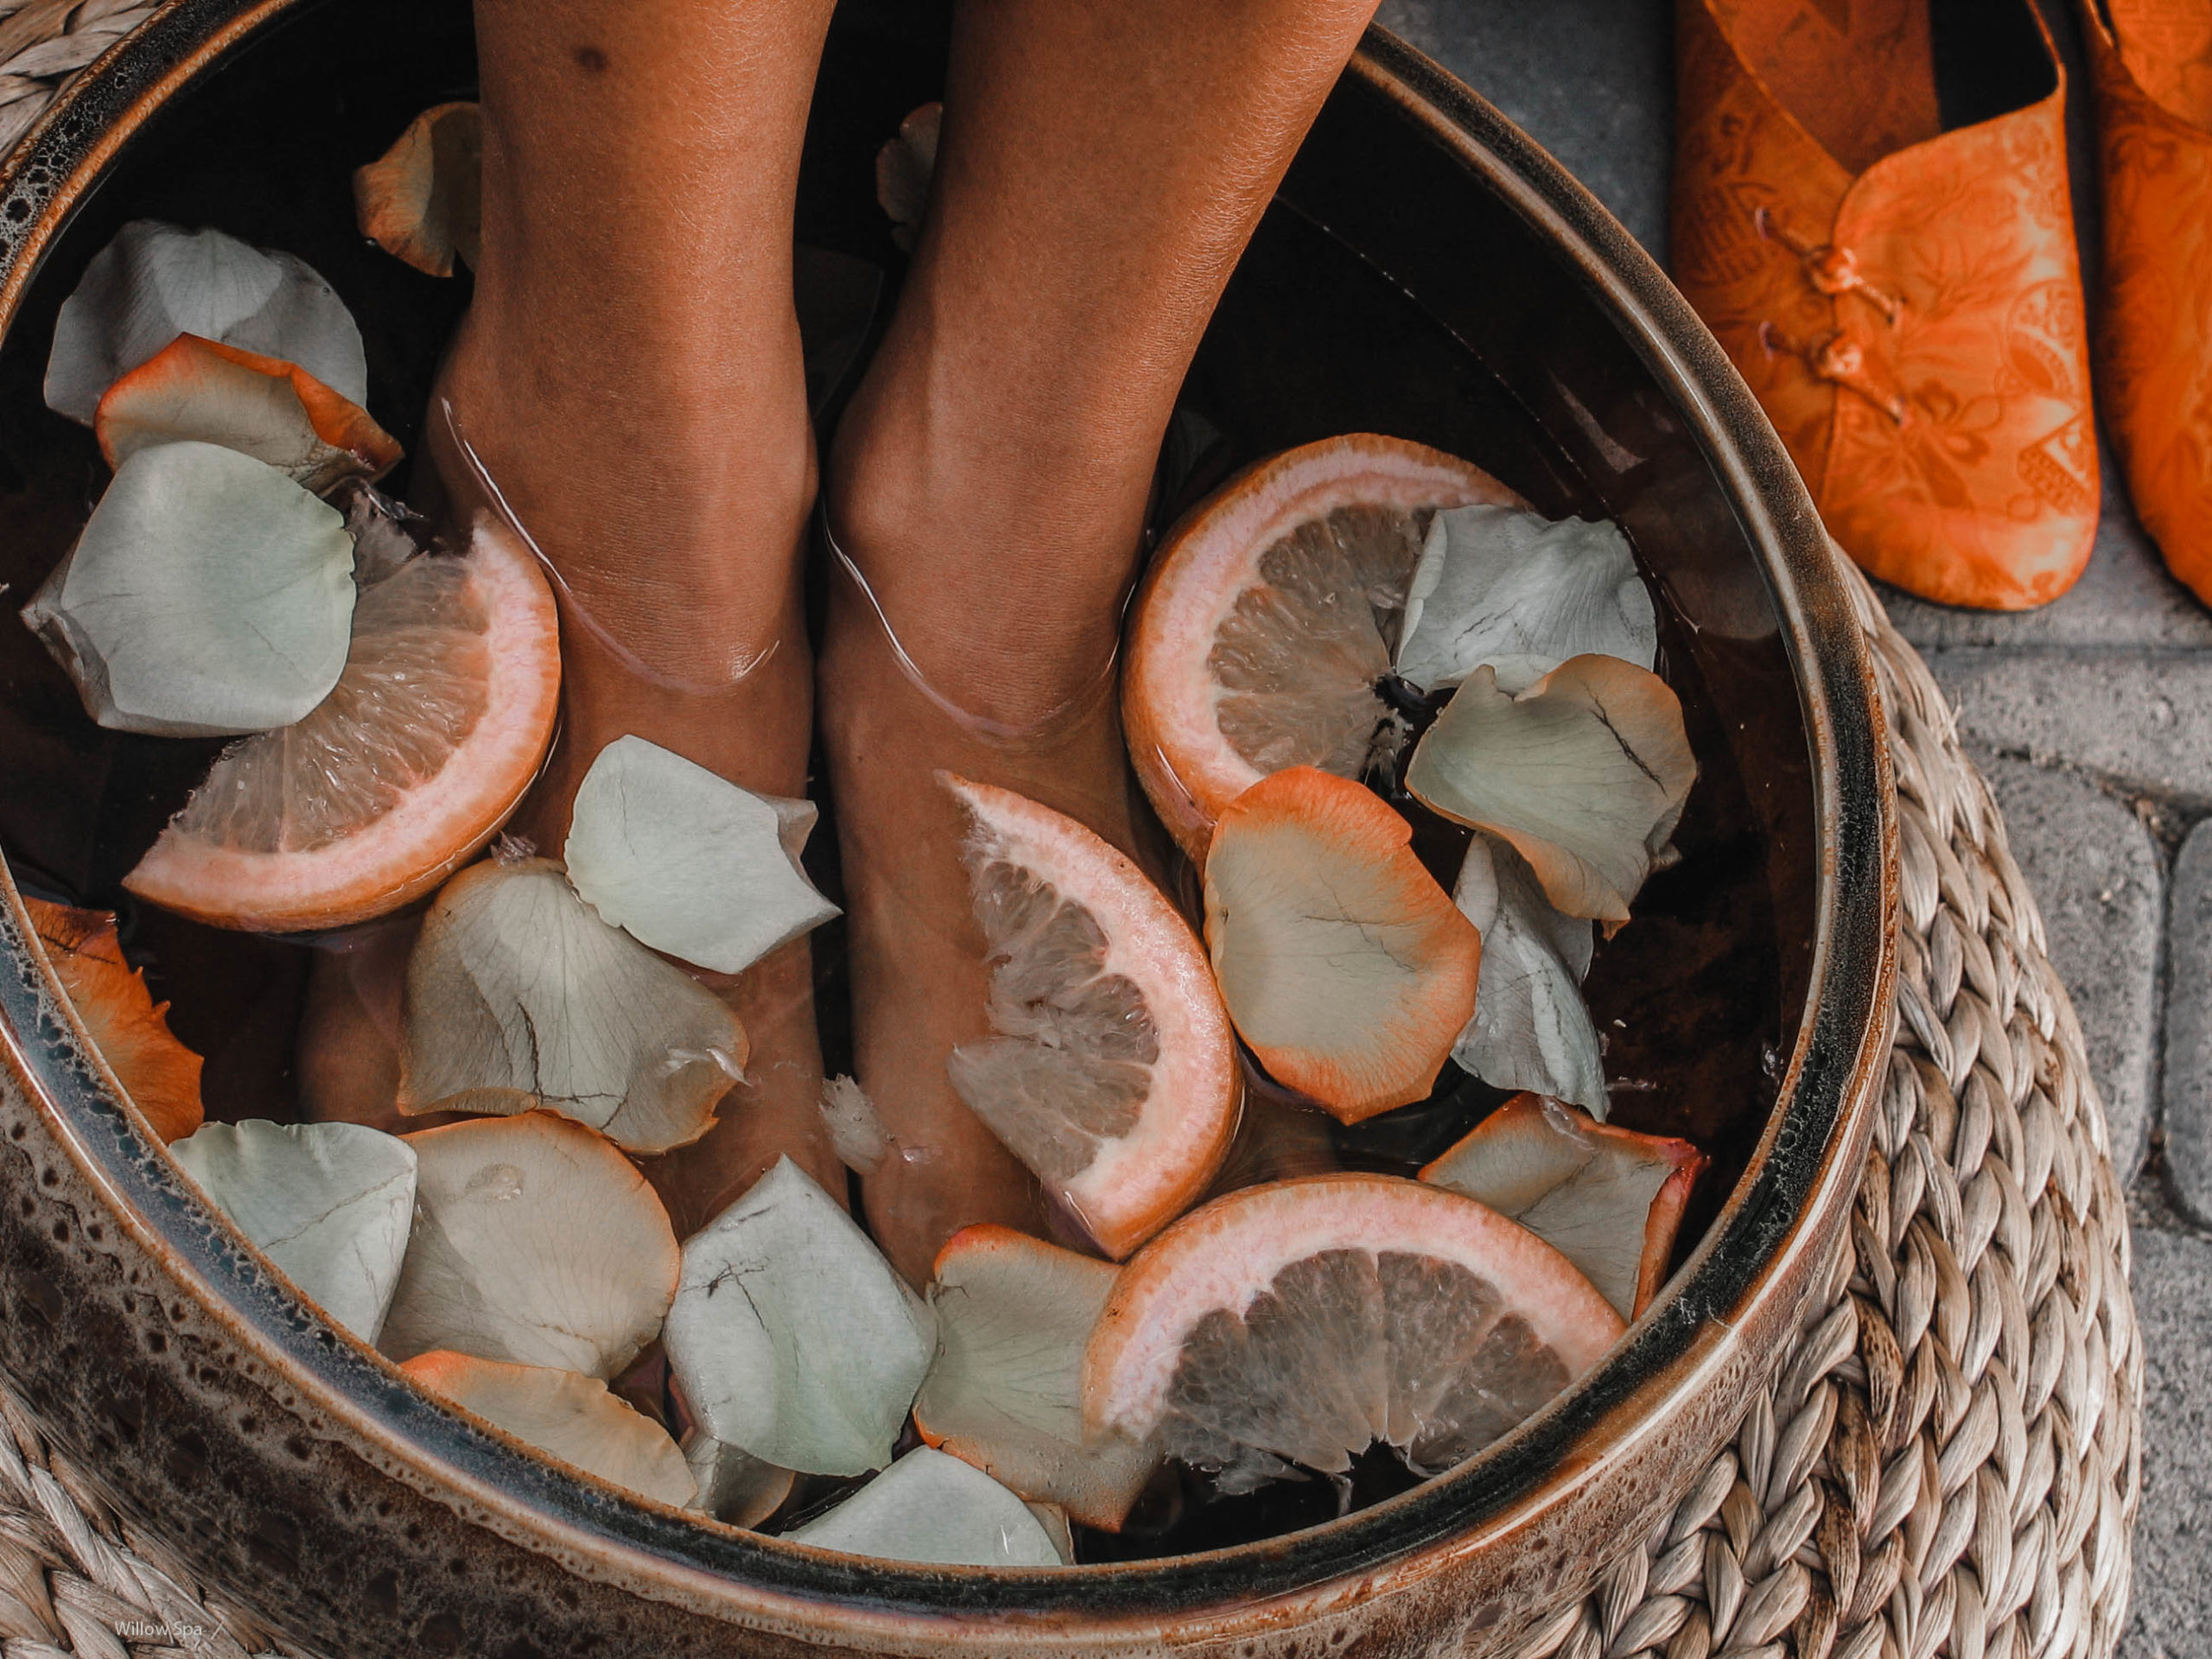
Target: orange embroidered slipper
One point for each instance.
(1897, 278)
(2151, 65)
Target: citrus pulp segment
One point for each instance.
(1270, 613)
(1294, 1325)
(435, 729)
(1111, 1072)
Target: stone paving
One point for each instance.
(2093, 720)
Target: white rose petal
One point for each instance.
(935, 1509)
(518, 996)
(1531, 1029)
(154, 282)
(689, 863)
(791, 1337)
(329, 1204)
(209, 596)
(1522, 593)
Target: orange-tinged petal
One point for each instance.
(1344, 965)
(275, 411)
(159, 1074)
(419, 200)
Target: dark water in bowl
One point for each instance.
(1311, 339)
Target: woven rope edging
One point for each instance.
(1948, 1459)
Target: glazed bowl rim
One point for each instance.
(1798, 1168)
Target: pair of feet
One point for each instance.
(974, 633)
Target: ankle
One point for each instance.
(1000, 562)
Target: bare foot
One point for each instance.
(672, 533)
(1009, 680)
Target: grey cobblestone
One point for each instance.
(2097, 876)
(2143, 718)
(2187, 1083)
(2171, 1614)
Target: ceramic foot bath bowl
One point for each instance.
(1426, 273)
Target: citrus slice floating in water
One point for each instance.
(1270, 613)
(127, 1026)
(1295, 1325)
(1112, 1073)
(435, 730)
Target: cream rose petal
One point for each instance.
(689, 863)
(733, 1485)
(207, 596)
(154, 282)
(330, 1203)
(421, 202)
(1005, 1392)
(518, 995)
(792, 1338)
(536, 1242)
(1531, 1029)
(934, 1509)
(565, 1414)
(1508, 588)
(1607, 1198)
(1584, 773)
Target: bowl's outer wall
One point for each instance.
(297, 1475)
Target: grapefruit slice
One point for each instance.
(1005, 1391)
(1346, 967)
(1270, 613)
(436, 729)
(1295, 1325)
(1112, 1073)
(159, 1074)
(1607, 1199)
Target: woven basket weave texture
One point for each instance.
(1948, 1459)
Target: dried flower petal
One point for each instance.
(1508, 588)
(1585, 772)
(856, 1131)
(689, 863)
(1607, 1198)
(566, 1415)
(260, 406)
(154, 282)
(329, 1204)
(209, 595)
(792, 1338)
(935, 1509)
(422, 199)
(1531, 1029)
(159, 1074)
(535, 1241)
(735, 1486)
(1005, 1392)
(1343, 963)
(903, 167)
(518, 996)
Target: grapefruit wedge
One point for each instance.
(1111, 1072)
(1347, 968)
(1271, 612)
(1295, 1325)
(435, 730)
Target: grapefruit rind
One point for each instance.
(1189, 770)
(1133, 1186)
(1225, 1255)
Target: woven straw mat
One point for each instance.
(1950, 1452)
